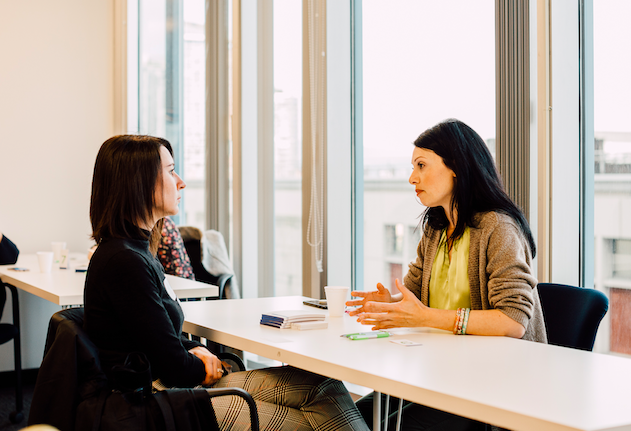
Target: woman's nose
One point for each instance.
(180, 184)
(413, 178)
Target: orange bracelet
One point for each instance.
(458, 321)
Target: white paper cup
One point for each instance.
(335, 299)
(58, 246)
(45, 259)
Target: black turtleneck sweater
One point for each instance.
(127, 309)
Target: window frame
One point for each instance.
(559, 182)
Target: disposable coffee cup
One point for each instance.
(58, 246)
(336, 299)
(45, 259)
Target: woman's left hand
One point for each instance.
(212, 364)
(408, 312)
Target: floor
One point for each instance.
(7, 405)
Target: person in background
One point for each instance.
(473, 271)
(172, 253)
(130, 307)
(8, 251)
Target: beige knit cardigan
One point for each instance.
(500, 275)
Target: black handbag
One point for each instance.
(133, 406)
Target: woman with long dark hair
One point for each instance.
(473, 271)
(129, 306)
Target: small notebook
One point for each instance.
(284, 319)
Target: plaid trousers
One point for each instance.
(288, 398)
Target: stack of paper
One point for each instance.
(284, 319)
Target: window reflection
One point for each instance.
(423, 62)
(612, 171)
(171, 83)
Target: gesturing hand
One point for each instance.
(409, 312)
(380, 295)
(212, 364)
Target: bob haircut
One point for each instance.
(478, 187)
(126, 172)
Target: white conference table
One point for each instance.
(65, 286)
(510, 383)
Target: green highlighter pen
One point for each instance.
(368, 335)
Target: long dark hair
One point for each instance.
(478, 187)
(126, 172)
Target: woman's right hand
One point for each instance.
(380, 295)
(211, 362)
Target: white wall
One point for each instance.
(56, 108)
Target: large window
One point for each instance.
(288, 147)
(612, 169)
(167, 82)
(423, 62)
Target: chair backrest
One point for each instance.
(75, 315)
(69, 372)
(572, 314)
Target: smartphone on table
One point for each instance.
(319, 303)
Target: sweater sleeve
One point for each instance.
(8, 251)
(413, 280)
(190, 344)
(510, 280)
(136, 293)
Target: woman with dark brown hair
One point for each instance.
(130, 307)
(473, 272)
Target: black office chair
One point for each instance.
(71, 389)
(192, 238)
(572, 314)
(10, 332)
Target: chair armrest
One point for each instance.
(254, 417)
(222, 280)
(16, 304)
(234, 358)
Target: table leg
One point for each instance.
(376, 411)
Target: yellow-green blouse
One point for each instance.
(449, 281)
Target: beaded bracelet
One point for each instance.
(462, 319)
(466, 321)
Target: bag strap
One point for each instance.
(167, 412)
(100, 407)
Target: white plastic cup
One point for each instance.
(45, 259)
(336, 299)
(58, 246)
